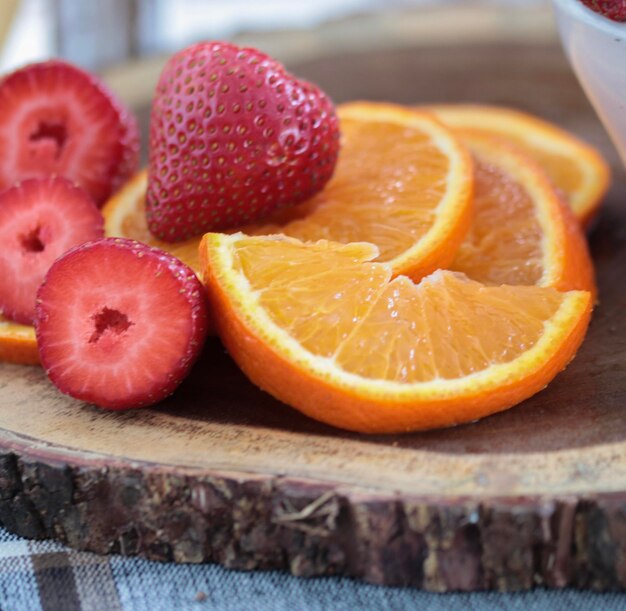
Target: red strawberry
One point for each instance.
(613, 9)
(119, 323)
(57, 119)
(40, 219)
(232, 137)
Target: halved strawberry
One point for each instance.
(119, 323)
(40, 219)
(57, 119)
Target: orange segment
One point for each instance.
(522, 232)
(576, 168)
(444, 307)
(403, 182)
(357, 286)
(400, 356)
(18, 343)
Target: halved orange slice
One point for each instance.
(325, 329)
(403, 182)
(522, 232)
(575, 167)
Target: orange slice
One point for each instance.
(17, 343)
(522, 232)
(576, 168)
(325, 329)
(403, 182)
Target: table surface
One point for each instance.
(46, 575)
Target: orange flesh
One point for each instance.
(339, 306)
(387, 185)
(434, 329)
(289, 279)
(504, 243)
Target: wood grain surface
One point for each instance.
(221, 472)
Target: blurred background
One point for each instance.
(99, 33)
(407, 51)
(102, 35)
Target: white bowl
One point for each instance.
(596, 48)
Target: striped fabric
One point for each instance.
(46, 576)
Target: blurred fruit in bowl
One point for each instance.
(595, 44)
(613, 9)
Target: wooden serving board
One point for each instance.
(221, 472)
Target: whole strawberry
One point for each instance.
(232, 137)
(613, 9)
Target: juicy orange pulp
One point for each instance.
(522, 232)
(326, 330)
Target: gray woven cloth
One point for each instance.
(45, 575)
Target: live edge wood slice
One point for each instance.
(222, 473)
